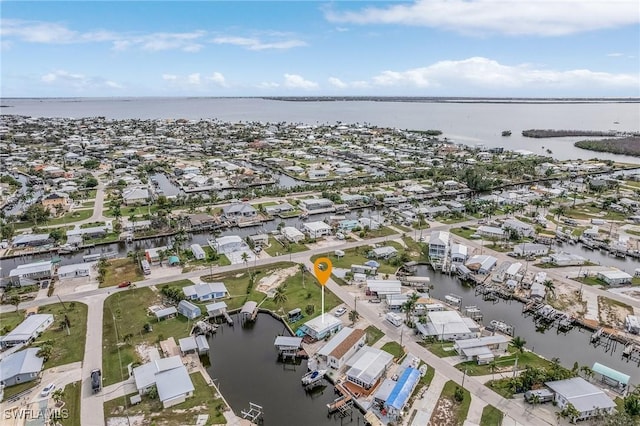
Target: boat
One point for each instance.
(67, 248)
(506, 133)
(501, 326)
(313, 377)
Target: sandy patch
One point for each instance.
(125, 421)
(273, 281)
(613, 314)
(143, 352)
(443, 413)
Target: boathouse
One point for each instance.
(188, 309)
(610, 377)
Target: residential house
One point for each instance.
(483, 350)
(385, 252)
(318, 173)
(448, 325)
(153, 254)
(279, 209)
(367, 222)
(136, 195)
(521, 228)
(393, 395)
(73, 271)
(201, 221)
(239, 211)
(439, 244)
(567, 259)
(490, 232)
(27, 331)
(30, 240)
(615, 277)
(205, 291)
(368, 366)
(292, 234)
(531, 249)
(381, 288)
(187, 345)
(198, 252)
(341, 347)
(259, 240)
(481, 264)
(317, 205)
(316, 229)
(587, 399)
(20, 367)
(632, 324)
(56, 203)
(188, 309)
(348, 225)
(32, 273)
(229, 244)
(459, 253)
(320, 327)
(169, 376)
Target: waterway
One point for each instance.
(244, 363)
(569, 347)
(627, 264)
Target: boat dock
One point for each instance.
(253, 414)
(249, 311)
(219, 309)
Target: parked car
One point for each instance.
(48, 389)
(340, 311)
(124, 284)
(96, 380)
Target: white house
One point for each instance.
(135, 195)
(32, 273)
(585, 397)
(367, 366)
(341, 347)
(27, 330)
(198, 252)
(521, 228)
(615, 277)
(239, 211)
(528, 249)
(229, 244)
(481, 264)
(459, 253)
(73, 271)
(292, 234)
(170, 377)
(382, 288)
(384, 252)
(205, 291)
(317, 205)
(439, 244)
(448, 325)
(482, 349)
(316, 229)
(320, 327)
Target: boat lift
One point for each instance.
(253, 414)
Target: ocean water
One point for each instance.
(468, 123)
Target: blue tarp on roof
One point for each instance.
(403, 388)
(173, 260)
(611, 373)
(372, 264)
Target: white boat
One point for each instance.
(501, 326)
(313, 376)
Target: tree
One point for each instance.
(280, 295)
(162, 255)
(549, 289)
(571, 412)
(14, 300)
(632, 404)
(354, 316)
(91, 182)
(303, 269)
(586, 371)
(245, 259)
(493, 367)
(57, 396)
(409, 305)
(518, 343)
(45, 351)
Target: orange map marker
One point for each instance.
(322, 273)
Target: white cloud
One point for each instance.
(513, 17)
(256, 44)
(169, 77)
(295, 81)
(615, 55)
(218, 79)
(194, 79)
(336, 82)
(268, 85)
(77, 81)
(484, 73)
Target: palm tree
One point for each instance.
(518, 343)
(409, 305)
(280, 295)
(493, 367)
(303, 269)
(162, 255)
(245, 259)
(586, 371)
(549, 289)
(354, 316)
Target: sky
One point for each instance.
(474, 48)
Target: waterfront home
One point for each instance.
(201, 221)
(292, 234)
(259, 240)
(483, 350)
(152, 255)
(318, 173)
(587, 399)
(56, 202)
(169, 376)
(439, 244)
(567, 259)
(205, 291)
(320, 327)
(393, 395)
(279, 209)
(632, 324)
(448, 325)
(459, 253)
(367, 366)
(490, 232)
(20, 367)
(385, 252)
(316, 229)
(165, 313)
(32, 273)
(367, 222)
(530, 249)
(364, 269)
(614, 277)
(238, 211)
(381, 288)
(187, 345)
(27, 331)
(135, 195)
(73, 271)
(198, 252)
(521, 228)
(229, 244)
(354, 199)
(481, 264)
(348, 225)
(513, 271)
(317, 205)
(30, 240)
(188, 309)
(91, 232)
(341, 347)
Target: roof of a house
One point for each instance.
(173, 383)
(611, 373)
(403, 388)
(368, 364)
(583, 395)
(22, 362)
(28, 327)
(187, 344)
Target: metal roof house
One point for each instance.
(30, 240)
(383, 287)
(401, 392)
(205, 291)
(203, 344)
(481, 349)
(320, 327)
(31, 273)
(439, 244)
(367, 366)
(169, 312)
(614, 277)
(170, 377)
(27, 330)
(316, 229)
(188, 309)
(386, 252)
(73, 271)
(198, 252)
(481, 264)
(187, 344)
(20, 367)
(341, 347)
(585, 397)
(448, 325)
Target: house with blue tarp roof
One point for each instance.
(401, 392)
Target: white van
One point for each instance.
(394, 318)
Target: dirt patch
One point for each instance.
(126, 421)
(567, 300)
(143, 351)
(443, 414)
(273, 280)
(613, 313)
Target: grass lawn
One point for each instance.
(9, 320)
(277, 249)
(92, 224)
(402, 227)
(71, 398)
(373, 334)
(128, 211)
(458, 410)
(16, 389)
(451, 219)
(394, 348)
(189, 261)
(428, 377)
(128, 312)
(203, 401)
(89, 204)
(71, 217)
(506, 363)
(66, 348)
(381, 232)
(491, 416)
(440, 349)
(412, 246)
(119, 270)
(464, 233)
(356, 256)
(590, 281)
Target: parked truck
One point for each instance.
(394, 318)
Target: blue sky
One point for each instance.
(534, 48)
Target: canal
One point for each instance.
(569, 347)
(244, 363)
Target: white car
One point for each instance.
(340, 311)
(47, 390)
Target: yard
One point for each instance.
(394, 348)
(119, 270)
(67, 343)
(125, 316)
(505, 363)
(71, 398)
(70, 217)
(373, 334)
(491, 416)
(449, 411)
(277, 249)
(439, 349)
(356, 256)
(203, 401)
(464, 233)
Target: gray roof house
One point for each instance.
(205, 291)
(20, 367)
(169, 376)
(238, 210)
(188, 309)
(367, 366)
(588, 399)
(135, 195)
(27, 330)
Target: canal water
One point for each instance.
(244, 363)
(569, 347)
